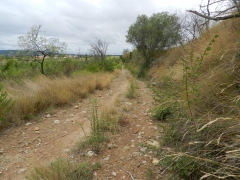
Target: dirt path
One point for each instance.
(56, 133)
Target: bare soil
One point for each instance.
(54, 135)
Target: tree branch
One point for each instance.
(215, 18)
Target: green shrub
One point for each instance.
(5, 103)
(162, 111)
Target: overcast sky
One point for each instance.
(77, 22)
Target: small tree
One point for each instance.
(33, 43)
(99, 49)
(154, 34)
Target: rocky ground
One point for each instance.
(129, 154)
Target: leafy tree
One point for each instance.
(153, 34)
(33, 43)
(99, 49)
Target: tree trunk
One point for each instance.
(42, 71)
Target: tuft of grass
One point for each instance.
(131, 92)
(149, 174)
(162, 111)
(96, 166)
(62, 170)
(109, 121)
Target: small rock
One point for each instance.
(136, 153)
(126, 147)
(155, 161)
(56, 121)
(48, 116)
(128, 103)
(90, 153)
(71, 115)
(36, 128)
(143, 149)
(66, 150)
(152, 127)
(114, 173)
(153, 143)
(140, 135)
(76, 107)
(26, 144)
(37, 132)
(106, 158)
(1, 151)
(111, 146)
(144, 162)
(27, 124)
(22, 170)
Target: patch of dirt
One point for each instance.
(55, 134)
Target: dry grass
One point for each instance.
(34, 96)
(109, 120)
(62, 170)
(206, 145)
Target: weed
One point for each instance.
(131, 92)
(98, 136)
(149, 174)
(62, 170)
(162, 111)
(191, 70)
(96, 166)
(109, 121)
(6, 103)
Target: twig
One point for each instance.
(129, 173)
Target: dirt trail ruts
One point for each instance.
(54, 135)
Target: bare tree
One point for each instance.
(192, 26)
(217, 10)
(34, 43)
(99, 49)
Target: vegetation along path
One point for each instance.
(57, 133)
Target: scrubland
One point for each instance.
(197, 94)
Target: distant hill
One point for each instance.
(8, 52)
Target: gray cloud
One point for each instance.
(76, 22)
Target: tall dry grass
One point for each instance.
(34, 96)
(206, 146)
